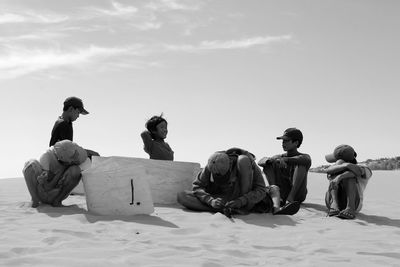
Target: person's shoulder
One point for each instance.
(61, 122)
(366, 172)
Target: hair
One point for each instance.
(65, 108)
(300, 141)
(151, 124)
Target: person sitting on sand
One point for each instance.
(153, 139)
(347, 182)
(289, 170)
(232, 183)
(51, 179)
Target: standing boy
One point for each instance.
(62, 129)
(289, 170)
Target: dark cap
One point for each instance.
(75, 102)
(293, 134)
(343, 152)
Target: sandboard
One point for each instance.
(165, 178)
(113, 188)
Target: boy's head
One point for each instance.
(74, 106)
(219, 164)
(342, 152)
(292, 138)
(158, 127)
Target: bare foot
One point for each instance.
(35, 204)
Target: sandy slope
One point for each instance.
(172, 236)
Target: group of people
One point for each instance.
(231, 182)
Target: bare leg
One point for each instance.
(246, 174)
(351, 189)
(299, 189)
(30, 174)
(270, 174)
(70, 178)
(275, 195)
(190, 201)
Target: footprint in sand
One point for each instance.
(51, 240)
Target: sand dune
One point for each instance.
(172, 236)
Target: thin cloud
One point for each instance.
(21, 61)
(167, 5)
(117, 9)
(31, 17)
(232, 44)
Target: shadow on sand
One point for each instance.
(378, 220)
(55, 212)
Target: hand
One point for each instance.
(42, 177)
(217, 203)
(281, 163)
(234, 204)
(263, 162)
(334, 183)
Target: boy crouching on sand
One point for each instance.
(51, 179)
(232, 183)
(347, 183)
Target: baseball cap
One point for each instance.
(70, 152)
(218, 163)
(75, 102)
(344, 152)
(292, 134)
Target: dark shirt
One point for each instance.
(62, 130)
(157, 149)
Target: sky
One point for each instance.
(223, 73)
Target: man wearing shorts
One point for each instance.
(51, 178)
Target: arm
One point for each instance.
(303, 160)
(337, 179)
(147, 141)
(200, 185)
(334, 169)
(268, 160)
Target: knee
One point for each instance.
(183, 197)
(73, 173)
(349, 182)
(31, 169)
(244, 163)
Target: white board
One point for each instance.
(165, 178)
(112, 188)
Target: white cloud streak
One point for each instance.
(168, 5)
(116, 10)
(30, 17)
(232, 44)
(21, 61)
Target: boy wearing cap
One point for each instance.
(232, 182)
(288, 171)
(62, 129)
(51, 178)
(347, 182)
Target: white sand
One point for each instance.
(172, 236)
